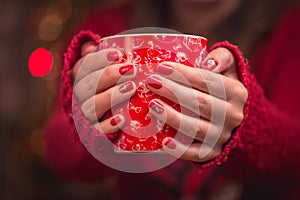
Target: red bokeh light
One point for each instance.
(40, 62)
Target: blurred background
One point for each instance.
(27, 101)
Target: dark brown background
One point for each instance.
(26, 101)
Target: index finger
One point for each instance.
(203, 80)
(196, 152)
(94, 61)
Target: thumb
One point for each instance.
(87, 48)
(220, 60)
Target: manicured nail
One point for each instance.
(126, 70)
(126, 87)
(170, 144)
(112, 56)
(210, 64)
(156, 107)
(154, 82)
(115, 120)
(165, 70)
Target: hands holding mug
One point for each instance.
(217, 71)
(94, 95)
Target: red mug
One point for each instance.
(142, 132)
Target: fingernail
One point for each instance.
(126, 70)
(156, 107)
(210, 64)
(126, 87)
(165, 70)
(154, 82)
(170, 144)
(112, 56)
(115, 120)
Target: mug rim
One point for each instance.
(154, 34)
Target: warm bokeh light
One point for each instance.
(40, 62)
(50, 31)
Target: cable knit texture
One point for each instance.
(70, 103)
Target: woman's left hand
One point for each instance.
(214, 97)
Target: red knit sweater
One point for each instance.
(264, 150)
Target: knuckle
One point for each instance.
(202, 103)
(108, 94)
(225, 136)
(77, 91)
(84, 89)
(83, 68)
(173, 118)
(109, 72)
(90, 85)
(88, 109)
(200, 133)
(227, 56)
(241, 91)
(244, 94)
(237, 118)
(76, 68)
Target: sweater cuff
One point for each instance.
(71, 56)
(244, 76)
(76, 119)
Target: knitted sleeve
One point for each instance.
(268, 140)
(267, 144)
(65, 152)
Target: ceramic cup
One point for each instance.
(142, 132)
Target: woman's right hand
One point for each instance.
(100, 82)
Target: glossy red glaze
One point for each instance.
(143, 132)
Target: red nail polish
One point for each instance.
(165, 70)
(170, 144)
(112, 56)
(126, 70)
(116, 120)
(210, 64)
(126, 87)
(154, 82)
(156, 107)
